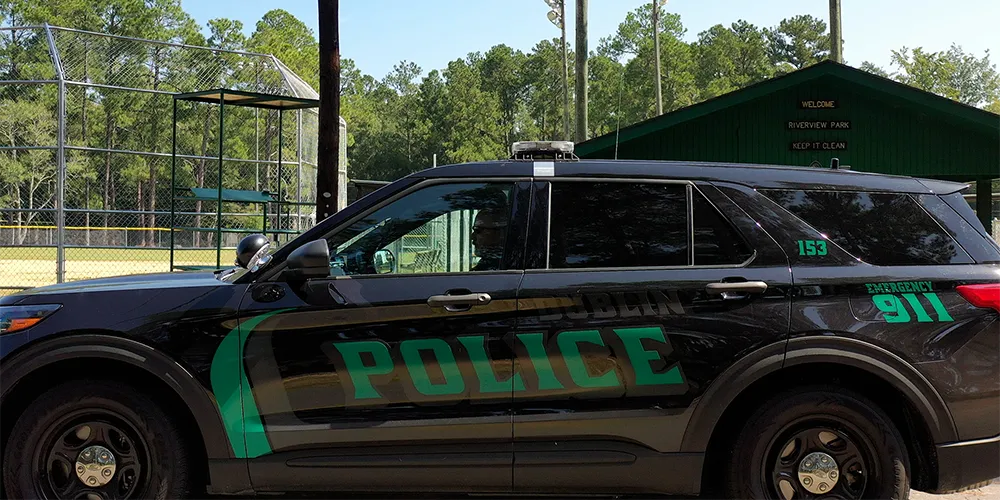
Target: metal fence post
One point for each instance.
(298, 172)
(60, 198)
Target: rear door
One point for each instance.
(637, 295)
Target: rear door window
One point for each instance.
(716, 241)
(886, 229)
(627, 225)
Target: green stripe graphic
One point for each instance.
(233, 395)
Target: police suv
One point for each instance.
(536, 325)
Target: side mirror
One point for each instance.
(384, 261)
(311, 260)
(251, 249)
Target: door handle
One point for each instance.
(736, 287)
(459, 302)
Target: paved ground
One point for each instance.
(989, 492)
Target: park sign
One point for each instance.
(819, 125)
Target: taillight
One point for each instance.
(985, 295)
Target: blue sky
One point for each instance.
(379, 33)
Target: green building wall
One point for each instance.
(825, 111)
(886, 135)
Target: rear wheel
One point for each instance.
(821, 442)
(95, 440)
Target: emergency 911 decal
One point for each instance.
(897, 300)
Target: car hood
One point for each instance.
(131, 282)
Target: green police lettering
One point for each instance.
(453, 382)
(359, 373)
(438, 370)
(476, 346)
(569, 346)
(539, 359)
(641, 358)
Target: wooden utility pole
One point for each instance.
(565, 70)
(836, 38)
(329, 110)
(581, 70)
(656, 50)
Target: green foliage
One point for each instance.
(954, 74)
(284, 36)
(731, 58)
(798, 42)
(874, 69)
(635, 32)
(472, 114)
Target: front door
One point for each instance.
(394, 371)
(640, 295)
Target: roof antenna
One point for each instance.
(618, 127)
(835, 163)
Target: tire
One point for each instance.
(151, 458)
(783, 434)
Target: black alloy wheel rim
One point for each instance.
(56, 460)
(831, 437)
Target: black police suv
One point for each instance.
(537, 325)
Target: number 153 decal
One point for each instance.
(812, 247)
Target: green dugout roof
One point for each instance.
(807, 117)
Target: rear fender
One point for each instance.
(818, 349)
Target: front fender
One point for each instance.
(92, 345)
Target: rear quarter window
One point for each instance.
(885, 229)
(973, 239)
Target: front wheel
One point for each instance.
(824, 442)
(95, 440)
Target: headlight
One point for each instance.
(17, 318)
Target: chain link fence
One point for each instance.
(85, 153)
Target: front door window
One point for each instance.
(445, 228)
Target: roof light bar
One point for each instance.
(531, 150)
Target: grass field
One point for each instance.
(36, 266)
